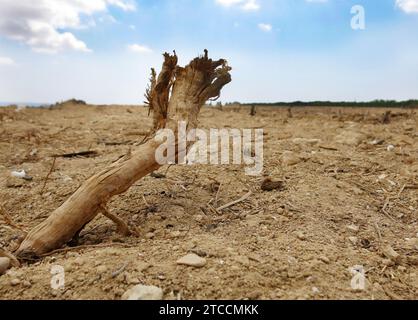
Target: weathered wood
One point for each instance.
(176, 95)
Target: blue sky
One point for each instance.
(280, 50)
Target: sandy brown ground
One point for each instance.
(296, 243)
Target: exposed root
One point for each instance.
(123, 228)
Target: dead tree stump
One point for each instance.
(289, 113)
(386, 117)
(177, 94)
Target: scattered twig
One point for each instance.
(115, 143)
(168, 168)
(383, 269)
(98, 135)
(368, 270)
(379, 234)
(59, 131)
(77, 154)
(213, 209)
(110, 143)
(388, 199)
(385, 211)
(217, 194)
(230, 204)
(328, 148)
(47, 176)
(120, 270)
(144, 140)
(402, 189)
(387, 214)
(293, 208)
(145, 201)
(414, 187)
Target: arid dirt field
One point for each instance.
(348, 200)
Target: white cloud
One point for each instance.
(246, 5)
(265, 27)
(251, 5)
(107, 18)
(6, 61)
(39, 23)
(123, 4)
(228, 3)
(409, 6)
(139, 48)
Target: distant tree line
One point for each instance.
(369, 104)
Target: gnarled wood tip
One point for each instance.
(215, 75)
(205, 64)
(170, 60)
